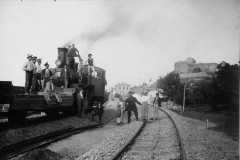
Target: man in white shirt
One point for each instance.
(39, 74)
(34, 79)
(28, 68)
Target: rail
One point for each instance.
(179, 136)
(119, 153)
(41, 141)
(124, 148)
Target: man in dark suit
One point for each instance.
(65, 75)
(46, 74)
(130, 104)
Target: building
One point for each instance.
(190, 66)
(122, 88)
(189, 69)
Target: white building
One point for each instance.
(122, 88)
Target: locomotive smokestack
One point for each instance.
(62, 54)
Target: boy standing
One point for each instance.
(119, 114)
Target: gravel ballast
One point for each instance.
(158, 140)
(200, 143)
(11, 136)
(112, 142)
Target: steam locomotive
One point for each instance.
(16, 105)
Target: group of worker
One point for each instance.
(37, 78)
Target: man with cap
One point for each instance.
(39, 74)
(46, 73)
(34, 80)
(28, 68)
(49, 91)
(70, 57)
(90, 64)
(65, 75)
(75, 53)
(130, 104)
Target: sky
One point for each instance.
(134, 40)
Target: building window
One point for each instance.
(119, 87)
(127, 88)
(123, 88)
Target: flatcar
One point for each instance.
(16, 105)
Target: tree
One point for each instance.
(170, 85)
(226, 86)
(196, 70)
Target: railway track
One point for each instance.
(40, 141)
(154, 140)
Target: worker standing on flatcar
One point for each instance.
(34, 79)
(28, 68)
(39, 74)
(46, 74)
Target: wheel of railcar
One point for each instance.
(51, 114)
(16, 117)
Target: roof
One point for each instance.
(122, 84)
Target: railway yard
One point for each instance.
(156, 139)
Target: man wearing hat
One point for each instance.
(46, 73)
(70, 57)
(90, 64)
(49, 91)
(65, 75)
(39, 74)
(130, 104)
(34, 79)
(28, 68)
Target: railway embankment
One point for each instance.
(202, 143)
(15, 135)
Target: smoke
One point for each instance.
(118, 18)
(119, 21)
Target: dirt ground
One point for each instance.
(223, 123)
